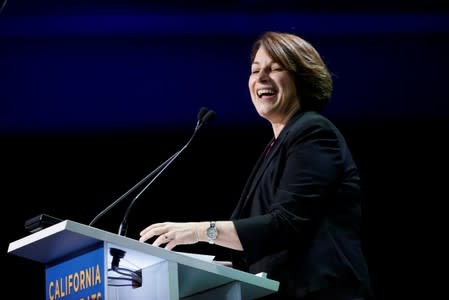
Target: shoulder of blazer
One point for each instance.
(303, 120)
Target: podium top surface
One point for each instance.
(68, 238)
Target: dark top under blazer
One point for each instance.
(304, 202)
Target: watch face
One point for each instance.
(212, 232)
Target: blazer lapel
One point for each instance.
(255, 177)
(263, 165)
(237, 211)
(260, 167)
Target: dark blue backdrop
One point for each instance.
(116, 69)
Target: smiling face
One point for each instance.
(272, 89)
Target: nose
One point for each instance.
(262, 76)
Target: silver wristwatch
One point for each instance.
(212, 232)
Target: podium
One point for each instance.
(78, 260)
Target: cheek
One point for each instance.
(251, 85)
(250, 82)
(288, 87)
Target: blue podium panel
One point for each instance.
(81, 277)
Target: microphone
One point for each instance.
(201, 113)
(204, 116)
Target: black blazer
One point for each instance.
(299, 215)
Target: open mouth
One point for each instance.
(265, 93)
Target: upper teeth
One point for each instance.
(264, 91)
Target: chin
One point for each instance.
(265, 114)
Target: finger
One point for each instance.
(171, 244)
(146, 236)
(153, 232)
(151, 227)
(162, 239)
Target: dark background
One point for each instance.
(95, 94)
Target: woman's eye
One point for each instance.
(254, 71)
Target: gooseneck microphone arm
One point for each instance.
(204, 115)
(129, 191)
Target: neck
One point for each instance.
(279, 125)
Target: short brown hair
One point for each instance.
(312, 78)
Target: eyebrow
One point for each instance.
(271, 63)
